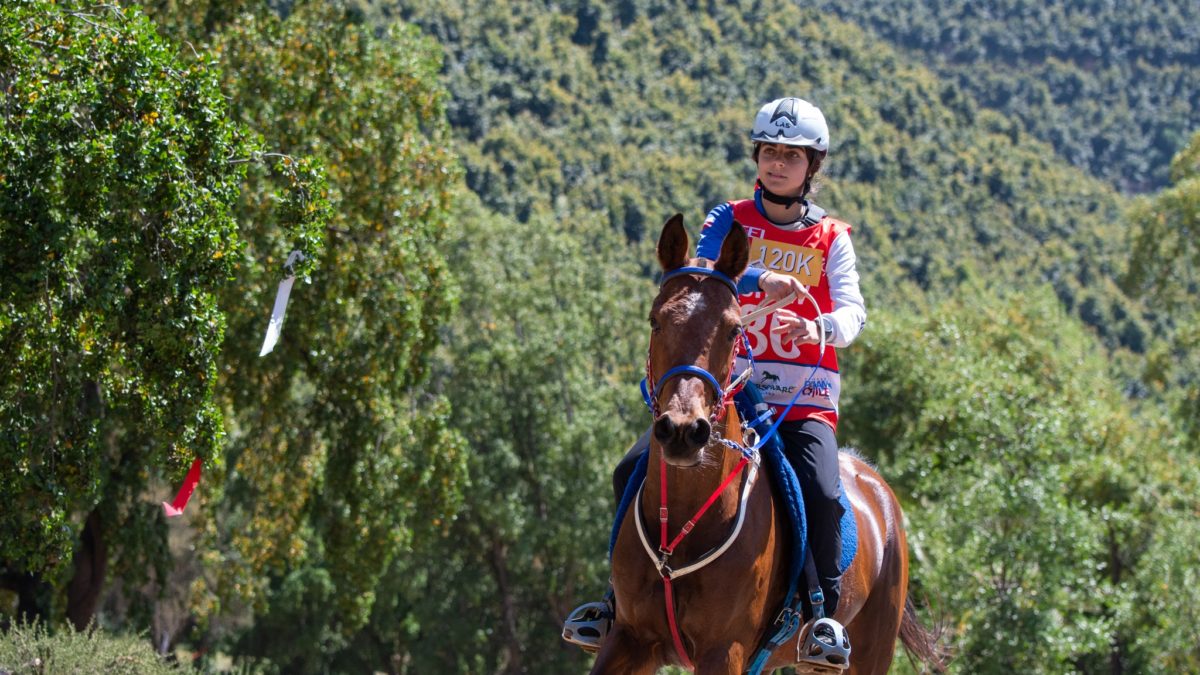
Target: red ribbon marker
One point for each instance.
(190, 482)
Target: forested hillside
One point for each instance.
(1114, 88)
(623, 113)
(633, 110)
(417, 480)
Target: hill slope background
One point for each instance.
(1112, 88)
(632, 111)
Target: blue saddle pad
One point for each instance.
(787, 490)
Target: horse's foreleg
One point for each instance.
(622, 653)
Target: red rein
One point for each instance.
(665, 549)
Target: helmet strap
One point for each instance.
(784, 201)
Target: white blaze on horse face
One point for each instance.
(693, 303)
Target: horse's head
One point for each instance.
(695, 322)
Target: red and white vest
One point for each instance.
(783, 368)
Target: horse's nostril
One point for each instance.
(664, 429)
(698, 433)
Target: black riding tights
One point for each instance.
(811, 449)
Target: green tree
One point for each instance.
(542, 363)
(1163, 268)
(120, 170)
(1031, 490)
(340, 459)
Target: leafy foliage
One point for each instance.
(1163, 268)
(119, 171)
(1028, 518)
(542, 352)
(340, 459)
(1113, 88)
(640, 109)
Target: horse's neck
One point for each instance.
(689, 488)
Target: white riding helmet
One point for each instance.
(791, 121)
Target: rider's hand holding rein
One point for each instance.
(776, 285)
(796, 328)
(792, 327)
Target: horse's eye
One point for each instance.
(654, 324)
(733, 333)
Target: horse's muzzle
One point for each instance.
(682, 438)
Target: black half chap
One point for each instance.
(811, 448)
(625, 467)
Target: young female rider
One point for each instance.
(793, 244)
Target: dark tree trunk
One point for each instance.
(512, 642)
(32, 594)
(91, 563)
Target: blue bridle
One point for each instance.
(703, 271)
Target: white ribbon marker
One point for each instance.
(281, 301)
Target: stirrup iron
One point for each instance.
(825, 648)
(589, 624)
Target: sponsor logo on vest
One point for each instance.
(821, 388)
(768, 381)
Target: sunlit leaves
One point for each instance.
(340, 459)
(114, 221)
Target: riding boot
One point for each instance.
(832, 588)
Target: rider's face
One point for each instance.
(782, 168)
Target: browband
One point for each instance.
(667, 276)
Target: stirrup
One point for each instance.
(589, 624)
(825, 649)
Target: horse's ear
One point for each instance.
(735, 252)
(673, 244)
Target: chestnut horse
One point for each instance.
(724, 610)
